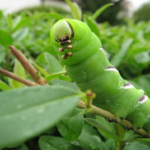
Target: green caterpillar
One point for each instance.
(80, 50)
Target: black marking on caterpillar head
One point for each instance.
(65, 42)
(72, 32)
(66, 47)
(66, 37)
(143, 99)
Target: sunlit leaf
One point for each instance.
(100, 10)
(75, 9)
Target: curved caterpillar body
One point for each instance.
(86, 63)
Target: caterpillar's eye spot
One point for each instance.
(127, 86)
(111, 68)
(143, 99)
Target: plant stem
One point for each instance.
(111, 118)
(27, 66)
(13, 76)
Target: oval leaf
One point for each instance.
(118, 58)
(54, 143)
(26, 112)
(75, 9)
(97, 124)
(4, 86)
(5, 38)
(49, 62)
(100, 10)
(92, 25)
(70, 128)
(19, 71)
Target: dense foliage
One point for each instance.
(89, 7)
(142, 13)
(54, 123)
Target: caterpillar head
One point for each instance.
(63, 31)
(70, 39)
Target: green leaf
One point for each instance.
(27, 112)
(106, 124)
(49, 62)
(20, 34)
(143, 82)
(92, 25)
(1, 14)
(90, 139)
(98, 125)
(9, 21)
(5, 38)
(142, 57)
(100, 10)
(54, 143)
(2, 56)
(16, 21)
(76, 11)
(119, 57)
(20, 22)
(65, 83)
(65, 78)
(22, 147)
(71, 127)
(54, 75)
(41, 70)
(136, 146)
(19, 71)
(120, 131)
(145, 140)
(4, 86)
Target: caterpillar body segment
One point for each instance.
(87, 65)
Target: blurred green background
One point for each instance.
(123, 31)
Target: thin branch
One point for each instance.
(111, 118)
(13, 76)
(27, 66)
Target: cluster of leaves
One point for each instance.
(142, 13)
(52, 117)
(89, 7)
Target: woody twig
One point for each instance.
(17, 78)
(27, 66)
